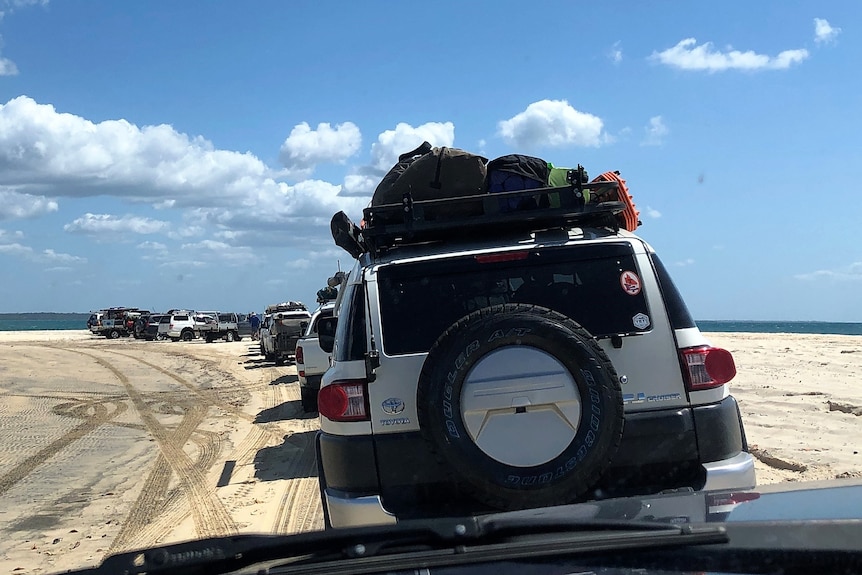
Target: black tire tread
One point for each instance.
(422, 394)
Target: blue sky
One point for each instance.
(190, 154)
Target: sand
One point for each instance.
(111, 445)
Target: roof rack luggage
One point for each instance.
(481, 215)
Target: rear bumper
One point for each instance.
(285, 344)
(311, 381)
(376, 479)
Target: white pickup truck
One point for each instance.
(311, 361)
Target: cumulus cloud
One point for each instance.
(852, 272)
(14, 205)
(98, 224)
(359, 184)
(552, 123)
(50, 255)
(616, 53)
(61, 154)
(652, 213)
(47, 256)
(688, 55)
(8, 67)
(655, 132)
(824, 33)
(304, 148)
(392, 143)
(45, 154)
(155, 246)
(212, 250)
(5, 235)
(312, 201)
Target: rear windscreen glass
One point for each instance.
(599, 286)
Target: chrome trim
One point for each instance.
(734, 473)
(356, 511)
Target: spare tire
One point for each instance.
(521, 406)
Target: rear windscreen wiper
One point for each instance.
(430, 542)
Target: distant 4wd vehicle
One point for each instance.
(117, 322)
(311, 361)
(228, 326)
(282, 329)
(513, 351)
(185, 325)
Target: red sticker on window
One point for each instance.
(630, 283)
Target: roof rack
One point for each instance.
(286, 306)
(483, 215)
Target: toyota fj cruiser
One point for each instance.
(489, 358)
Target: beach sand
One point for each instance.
(105, 443)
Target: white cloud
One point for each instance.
(552, 123)
(47, 256)
(824, 32)
(8, 67)
(655, 132)
(686, 262)
(652, 213)
(687, 55)
(616, 53)
(15, 249)
(46, 154)
(155, 246)
(359, 184)
(304, 148)
(853, 272)
(52, 256)
(212, 250)
(4, 234)
(14, 205)
(98, 224)
(392, 143)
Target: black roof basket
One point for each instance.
(483, 215)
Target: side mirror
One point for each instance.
(303, 327)
(326, 333)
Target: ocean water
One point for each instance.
(62, 321)
(40, 321)
(818, 327)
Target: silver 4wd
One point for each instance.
(281, 329)
(515, 359)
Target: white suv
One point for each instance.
(505, 359)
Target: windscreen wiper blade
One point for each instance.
(434, 542)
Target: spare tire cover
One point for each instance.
(521, 405)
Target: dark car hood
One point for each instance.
(788, 501)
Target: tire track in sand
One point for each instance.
(100, 416)
(210, 516)
(299, 508)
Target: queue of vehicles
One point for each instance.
(175, 324)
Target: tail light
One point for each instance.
(345, 400)
(299, 359)
(707, 367)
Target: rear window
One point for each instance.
(677, 311)
(321, 315)
(598, 286)
(165, 319)
(350, 340)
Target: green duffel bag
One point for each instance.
(559, 177)
(439, 173)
